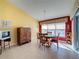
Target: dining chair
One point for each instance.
(44, 41)
(40, 35)
(56, 39)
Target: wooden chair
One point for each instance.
(56, 40)
(44, 41)
(40, 35)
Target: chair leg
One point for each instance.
(57, 44)
(44, 47)
(37, 41)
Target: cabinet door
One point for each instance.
(22, 36)
(22, 33)
(28, 34)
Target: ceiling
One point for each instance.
(45, 9)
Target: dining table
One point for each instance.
(52, 38)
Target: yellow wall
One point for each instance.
(18, 17)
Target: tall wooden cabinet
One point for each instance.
(23, 35)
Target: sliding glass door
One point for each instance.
(60, 28)
(76, 31)
(54, 28)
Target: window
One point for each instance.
(60, 28)
(51, 28)
(54, 28)
(44, 28)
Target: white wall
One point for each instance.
(75, 7)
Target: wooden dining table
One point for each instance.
(52, 38)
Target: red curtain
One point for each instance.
(40, 28)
